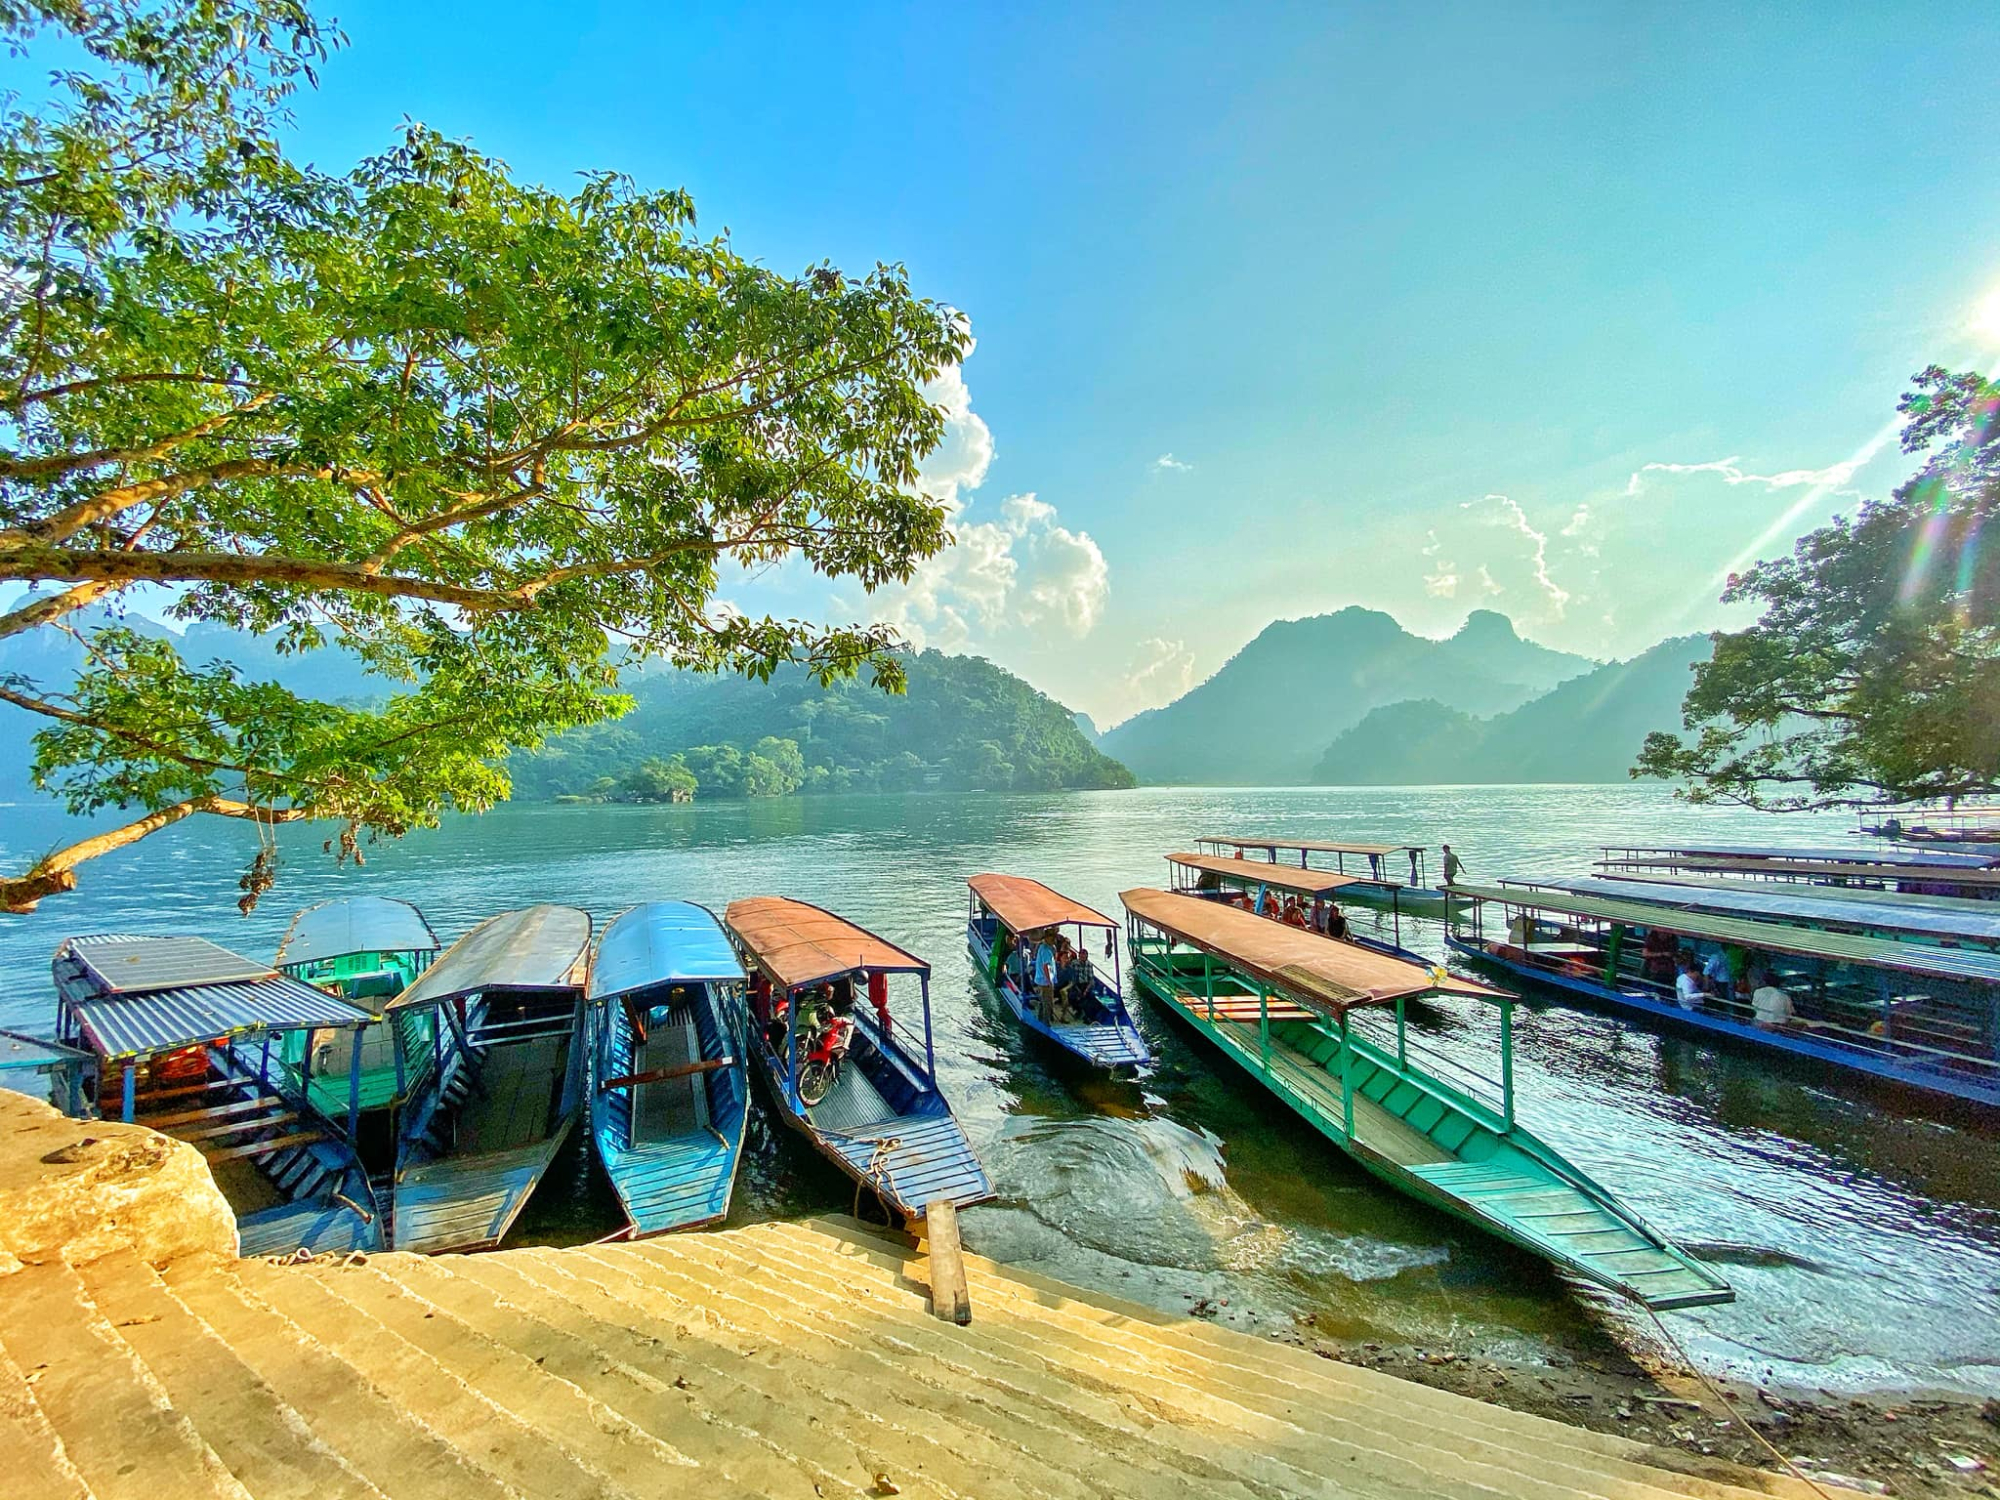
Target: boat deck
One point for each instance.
(914, 1159)
(519, 1087)
(465, 1202)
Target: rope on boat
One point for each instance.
(1729, 1406)
(876, 1171)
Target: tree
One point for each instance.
(473, 429)
(657, 780)
(1873, 676)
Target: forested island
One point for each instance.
(962, 725)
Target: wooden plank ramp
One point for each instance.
(797, 1360)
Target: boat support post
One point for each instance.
(130, 1101)
(1264, 1023)
(353, 1083)
(1207, 980)
(1611, 946)
(930, 1058)
(1346, 1076)
(1507, 1062)
(1402, 1033)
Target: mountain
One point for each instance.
(964, 724)
(1587, 729)
(1087, 726)
(1273, 708)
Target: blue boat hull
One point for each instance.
(669, 1178)
(1113, 1042)
(1726, 1029)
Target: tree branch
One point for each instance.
(54, 873)
(48, 607)
(68, 463)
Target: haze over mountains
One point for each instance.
(1269, 715)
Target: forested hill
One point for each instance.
(1271, 711)
(1587, 729)
(963, 724)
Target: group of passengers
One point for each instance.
(1731, 977)
(1324, 917)
(1060, 973)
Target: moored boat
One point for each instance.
(1006, 917)
(669, 1086)
(183, 1032)
(368, 950)
(1296, 895)
(843, 1067)
(1901, 871)
(503, 1081)
(1303, 1015)
(1377, 869)
(1920, 1014)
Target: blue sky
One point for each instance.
(1412, 296)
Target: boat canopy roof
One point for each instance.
(356, 924)
(1027, 905)
(1802, 903)
(1290, 878)
(1322, 973)
(132, 996)
(1308, 846)
(534, 948)
(1731, 864)
(662, 942)
(799, 944)
(1847, 895)
(1873, 855)
(19, 1051)
(1974, 965)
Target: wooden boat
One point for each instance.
(1005, 914)
(1376, 868)
(1296, 1011)
(367, 949)
(184, 1033)
(1920, 1014)
(1265, 885)
(503, 1082)
(883, 1120)
(1902, 871)
(670, 1087)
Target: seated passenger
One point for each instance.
(1295, 915)
(1017, 962)
(1336, 921)
(1688, 989)
(1771, 1007)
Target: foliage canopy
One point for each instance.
(475, 430)
(1873, 676)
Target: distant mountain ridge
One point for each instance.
(1269, 714)
(1587, 729)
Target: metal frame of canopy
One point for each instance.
(1312, 971)
(1292, 879)
(786, 942)
(1373, 853)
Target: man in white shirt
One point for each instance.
(1771, 1007)
(1688, 993)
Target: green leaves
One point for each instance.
(1873, 676)
(471, 429)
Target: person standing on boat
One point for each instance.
(1045, 977)
(1452, 865)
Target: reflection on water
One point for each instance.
(1861, 1229)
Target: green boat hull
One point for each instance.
(1442, 1147)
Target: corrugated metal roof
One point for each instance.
(798, 944)
(128, 1025)
(355, 924)
(1317, 883)
(1802, 903)
(1839, 947)
(662, 942)
(1027, 905)
(535, 948)
(126, 964)
(1875, 854)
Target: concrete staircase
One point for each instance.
(790, 1360)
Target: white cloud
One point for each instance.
(1730, 472)
(1167, 462)
(1160, 672)
(1441, 582)
(1513, 518)
(961, 460)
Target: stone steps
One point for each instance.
(798, 1361)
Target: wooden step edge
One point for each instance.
(32, 1455)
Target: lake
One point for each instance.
(1864, 1243)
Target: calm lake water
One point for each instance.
(1863, 1237)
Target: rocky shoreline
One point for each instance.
(1921, 1445)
